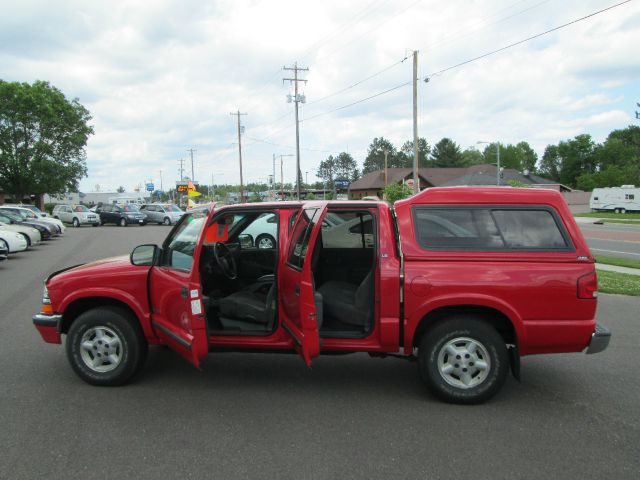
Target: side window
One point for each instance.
(262, 232)
(300, 238)
(486, 229)
(180, 246)
(348, 229)
(529, 229)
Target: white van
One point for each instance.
(615, 199)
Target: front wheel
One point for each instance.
(123, 222)
(76, 222)
(167, 221)
(105, 347)
(463, 360)
(27, 239)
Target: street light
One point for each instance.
(497, 161)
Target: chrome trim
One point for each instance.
(42, 320)
(599, 340)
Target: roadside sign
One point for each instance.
(342, 184)
(150, 187)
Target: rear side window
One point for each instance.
(490, 228)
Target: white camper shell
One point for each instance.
(615, 199)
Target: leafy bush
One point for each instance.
(397, 191)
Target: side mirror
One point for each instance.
(145, 255)
(245, 240)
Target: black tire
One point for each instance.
(123, 222)
(265, 241)
(113, 322)
(461, 333)
(95, 224)
(167, 221)
(5, 245)
(76, 222)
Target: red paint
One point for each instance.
(537, 292)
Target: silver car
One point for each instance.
(76, 215)
(162, 213)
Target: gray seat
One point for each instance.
(250, 306)
(349, 303)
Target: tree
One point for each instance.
(345, 167)
(423, 153)
(472, 156)
(120, 189)
(550, 164)
(397, 191)
(446, 153)
(527, 157)
(327, 171)
(42, 139)
(375, 156)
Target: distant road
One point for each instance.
(613, 240)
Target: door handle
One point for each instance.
(297, 290)
(184, 292)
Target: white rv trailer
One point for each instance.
(615, 199)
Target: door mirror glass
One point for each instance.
(245, 240)
(144, 255)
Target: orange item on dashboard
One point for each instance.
(217, 232)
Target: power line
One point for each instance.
(357, 102)
(439, 72)
(359, 82)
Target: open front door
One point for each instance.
(295, 282)
(177, 312)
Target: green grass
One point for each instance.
(620, 262)
(619, 283)
(617, 216)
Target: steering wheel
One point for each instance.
(226, 262)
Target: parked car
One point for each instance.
(12, 241)
(15, 219)
(34, 209)
(121, 215)
(464, 280)
(162, 213)
(30, 234)
(28, 214)
(76, 215)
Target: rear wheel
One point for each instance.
(622, 210)
(5, 245)
(76, 222)
(265, 241)
(463, 360)
(167, 221)
(105, 346)
(123, 222)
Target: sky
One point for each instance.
(163, 77)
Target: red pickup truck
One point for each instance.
(465, 280)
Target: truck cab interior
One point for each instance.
(238, 268)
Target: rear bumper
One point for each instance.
(48, 326)
(599, 340)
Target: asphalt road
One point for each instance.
(613, 240)
(268, 416)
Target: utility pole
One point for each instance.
(297, 99)
(386, 153)
(416, 178)
(193, 177)
(498, 164)
(282, 174)
(273, 178)
(181, 167)
(161, 189)
(240, 154)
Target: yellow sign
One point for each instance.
(193, 193)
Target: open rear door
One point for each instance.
(295, 283)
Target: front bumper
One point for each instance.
(599, 340)
(48, 326)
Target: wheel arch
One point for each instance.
(493, 316)
(81, 305)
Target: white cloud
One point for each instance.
(163, 77)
